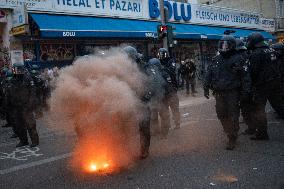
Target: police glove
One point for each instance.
(206, 93)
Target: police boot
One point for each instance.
(21, 143)
(34, 137)
(232, 143)
(260, 136)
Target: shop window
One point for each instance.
(29, 52)
(56, 52)
(190, 50)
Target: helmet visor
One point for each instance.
(162, 55)
(224, 46)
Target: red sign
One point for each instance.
(2, 14)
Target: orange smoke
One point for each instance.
(99, 98)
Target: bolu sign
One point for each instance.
(179, 11)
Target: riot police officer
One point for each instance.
(265, 82)
(246, 103)
(145, 97)
(158, 104)
(228, 77)
(20, 98)
(279, 48)
(169, 73)
(39, 89)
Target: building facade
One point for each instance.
(272, 9)
(54, 32)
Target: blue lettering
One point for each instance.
(176, 16)
(111, 3)
(184, 17)
(139, 6)
(117, 6)
(69, 2)
(123, 5)
(74, 3)
(153, 9)
(88, 3)
(135, 7)
(97, 4)
(130, 7)
(169, 7)
(82, 3)
(103, 3)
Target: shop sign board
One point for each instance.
(207, 15)
(268, 24)
(149, 10)
(23, 29)
(17, 56)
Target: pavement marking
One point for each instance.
(33, 164)
(21, 154)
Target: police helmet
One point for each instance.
(163, 53)
(254, 39)
(240, 45)
(131, 52)
(154, 61)
(227, 44)
(18, 68)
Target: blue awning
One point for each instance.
(51, 25)
(212, 32)
(85, 26)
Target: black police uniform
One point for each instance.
(228, 77)
(246, 103)
(20, 97)
(265, 82)
(39, 92)
(171, 97)
(279, 48)
(158, 104)
(145, 96)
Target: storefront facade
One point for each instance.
(60, 30)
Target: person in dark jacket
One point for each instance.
(21, 100)
(146, 97)
(229, 79)
(265, 82)
(158, 104)
(246, 104)
(171, 97)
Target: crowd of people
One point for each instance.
(24, 93)
(242, 78)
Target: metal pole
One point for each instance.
(162, 12)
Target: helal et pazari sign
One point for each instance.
(149, 10)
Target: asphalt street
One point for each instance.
(192, 157)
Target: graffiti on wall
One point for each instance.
(56, 52)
